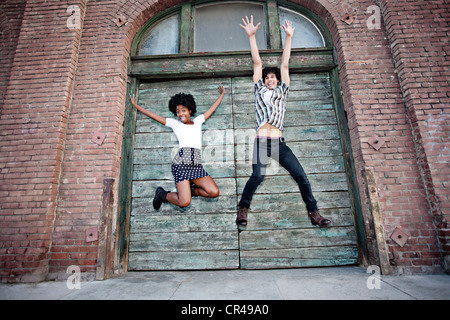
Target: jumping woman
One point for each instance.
(187, 165)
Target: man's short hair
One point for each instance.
(274, 70)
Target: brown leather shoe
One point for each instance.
(242, 216)
(317, 219)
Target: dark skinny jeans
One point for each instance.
(277, 149)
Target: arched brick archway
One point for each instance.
(126, 201)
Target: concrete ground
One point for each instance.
(338, 283)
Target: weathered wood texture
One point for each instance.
(194, 65)
(279, 234)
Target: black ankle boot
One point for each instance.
(160, 197)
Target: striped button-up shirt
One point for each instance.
(270, 105)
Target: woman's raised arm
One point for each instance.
(216, 103)
(148, 113)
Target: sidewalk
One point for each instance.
(340, 283)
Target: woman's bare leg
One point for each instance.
(206, 187)
(182, 197)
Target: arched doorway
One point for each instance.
(204, 235)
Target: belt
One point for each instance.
(281, 139)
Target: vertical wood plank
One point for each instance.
(126, 169)
(185, 27)
(274, 24)
(104, 255)
(380, 235)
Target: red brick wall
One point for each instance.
(32, 130)
(11, 15)
(395, 84)
(375, 91)
(65, 85)
(418, 31)
(97, 106)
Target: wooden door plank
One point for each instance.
(183, 223)
(302, 149)
(306, 118)
(293, 201)
(184, 241)
(217, 169)
(299, 257)
(273, 220)
(196, 65)
(198, 205)
(197, 260)
(146, 189)
(297, 238)
(286, 184)
(310, 165)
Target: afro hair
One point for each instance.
(183, 99)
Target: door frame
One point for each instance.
(163, 68)
(226, 64)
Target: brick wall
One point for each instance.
(32, 131)
(67, 84)
(418, 32)
(11, 15)
(98, 106)
(398, 90)
(396, 86)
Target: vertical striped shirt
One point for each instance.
(270, 105)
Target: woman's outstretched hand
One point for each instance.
(133, 101)
(221, 89)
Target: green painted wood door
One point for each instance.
(204, 235)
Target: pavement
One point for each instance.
(333, 283)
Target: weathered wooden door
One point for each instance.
(204, 235)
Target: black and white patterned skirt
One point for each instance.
(187, 165)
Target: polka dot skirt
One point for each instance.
(187, 165)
